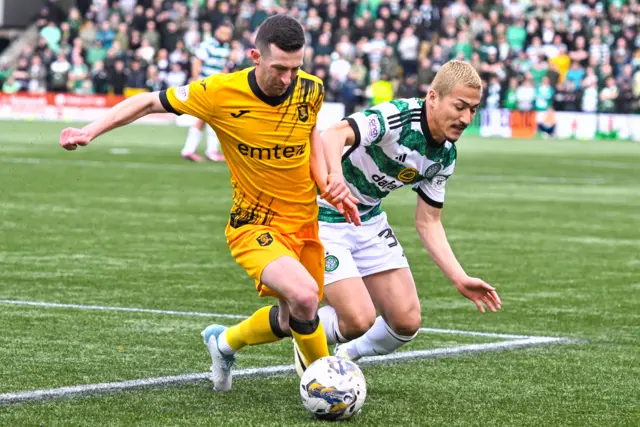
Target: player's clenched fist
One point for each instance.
(70, 138)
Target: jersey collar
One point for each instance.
(425, 128)
(274, 101)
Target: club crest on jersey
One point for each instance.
(265, 239)
(303, 112)
(407, 175)
(331, 263)
(433, 170)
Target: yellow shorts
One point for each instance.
(255, 246)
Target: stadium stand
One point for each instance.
(533, 55)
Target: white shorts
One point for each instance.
(352, 251)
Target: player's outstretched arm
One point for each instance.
(122, 114)
(343, 201)
(434, 240)
(334, 139)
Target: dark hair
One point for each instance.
(281, 30)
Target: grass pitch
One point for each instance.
(554, 225)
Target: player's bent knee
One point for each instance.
(408, 324)
(358, 324)
(304, 303)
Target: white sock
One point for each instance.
(192, 142)
(213, 143)
(379, 339)
(329, 319)
(224, 346)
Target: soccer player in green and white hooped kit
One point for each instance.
(395, 144)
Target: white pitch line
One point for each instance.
(99, 163)
(475, 334)
(228, 316)
(128, 309)
(83, 390)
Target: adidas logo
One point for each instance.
(401, 158)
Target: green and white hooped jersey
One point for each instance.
(393, 148)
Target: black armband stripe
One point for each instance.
(356, 132)
(166, 104)
(428, 200)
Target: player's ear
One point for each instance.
(431, 97)
(255, 55)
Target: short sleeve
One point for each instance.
(432, 190)
(369, 126)
(194, 99)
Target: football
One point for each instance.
(333, 388)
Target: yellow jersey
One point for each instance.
(265, 140)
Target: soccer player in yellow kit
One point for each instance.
(265, 118)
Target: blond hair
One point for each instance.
(453, 73)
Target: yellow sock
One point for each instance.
(313, 346)
(257, 329)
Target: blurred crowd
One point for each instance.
(582, 55)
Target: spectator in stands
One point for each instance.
(381, 90)
(625, 84)
(493, 93)
(37, 76)
(526, 94)
(145, 52)
(151, 35)
(516, 35)
(154, 82)
(580, 54)
(65, 34)
(553, 74)
(10, 85)
(566, 98)
(75, 22)
(590, 96)
(136, 79)
(77, 74)
(97, 52)
(192, 37)
(576, 46)
(575, 74)
(609, 96)
(171, 36)
(544, 95)
(510, 99)
(77, 52)
(118, 77)
(100, 78)
(85, 88)
(408, 49)
(389, 64)
(590, 79)
(59, 73)
(177, 55)
(176, 77)
(122, 36)
(21, 74)
(105, 35)
(52, 34)
(88, 33)
(5, 72)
